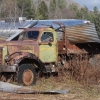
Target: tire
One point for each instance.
(26, 75)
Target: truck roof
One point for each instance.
(38, 29)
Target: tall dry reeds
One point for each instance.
(86, 68)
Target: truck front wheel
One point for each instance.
(26, 75)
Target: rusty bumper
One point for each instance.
(4, 68)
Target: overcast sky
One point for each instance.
(89, 3)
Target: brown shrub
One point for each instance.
(86, 69)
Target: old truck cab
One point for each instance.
(33, 51)
(44, 43)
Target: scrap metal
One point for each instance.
(11, 88)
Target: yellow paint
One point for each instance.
(48, 53)
(47, 49)
(4, 53)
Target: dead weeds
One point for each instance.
(82, 81)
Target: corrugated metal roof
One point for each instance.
(8, 29)
(77, 30)
(82, 33)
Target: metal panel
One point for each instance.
(82, 33)
(48, 51)
(11, 88)
(77, 30)
(11, 29)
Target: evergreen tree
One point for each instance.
(97, 19)
(84, 11)
(52, 9)
(61, 4)
(91, 16)
(97, 23)
(73, 7)
(96, 11)
(42, 12)
(77, 12)
(52, 5)
(25, 8)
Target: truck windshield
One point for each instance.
(32, 34)
(29, 35)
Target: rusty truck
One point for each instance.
(44, 49)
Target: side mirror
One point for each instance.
(39, 43)
(49, 43)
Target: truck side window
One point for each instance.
(47, 37)
(22, 36)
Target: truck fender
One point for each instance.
(19, 58)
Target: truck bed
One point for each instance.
(68, 48)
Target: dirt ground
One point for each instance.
(7, 96)
(77, 91)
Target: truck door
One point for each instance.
(48, 47)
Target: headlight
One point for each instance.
(6, 58)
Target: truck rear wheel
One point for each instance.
(26, 75)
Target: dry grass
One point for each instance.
(86, 70)
(82, 81)
(77, 91)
